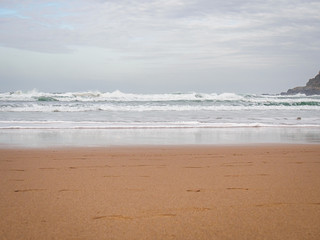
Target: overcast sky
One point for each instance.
(156, 46)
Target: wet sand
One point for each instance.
(163, 192)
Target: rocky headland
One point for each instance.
(312, 87)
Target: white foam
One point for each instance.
(120, 96)
(116, 96)
(137, 125)
(114, 107)
(123, 110)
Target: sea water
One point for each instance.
(106, 118)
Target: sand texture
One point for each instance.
(248, 192)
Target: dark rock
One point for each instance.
(312, 87)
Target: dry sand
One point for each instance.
(247, 192)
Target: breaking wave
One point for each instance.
(94, 109)
(127, 97)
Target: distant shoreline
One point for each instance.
(311, 88)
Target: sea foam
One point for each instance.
(95, 109)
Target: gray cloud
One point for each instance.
(157, 24)
(201, 34)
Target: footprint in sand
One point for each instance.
(166, 215)
(68, 190)
(90, 167)
(193, 190)
(247, 175)
(30, 190)
(197, 167)
(99, 217)
(49, 168)
(233, 188)
(113, 217)
(271, 204)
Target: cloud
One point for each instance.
(168, 35)
(199, 28)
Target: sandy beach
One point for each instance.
(161, 192)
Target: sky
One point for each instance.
(158, 46)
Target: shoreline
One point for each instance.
(260, 191)
(157, 147)
(34, 138)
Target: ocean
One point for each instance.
(116, 118)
